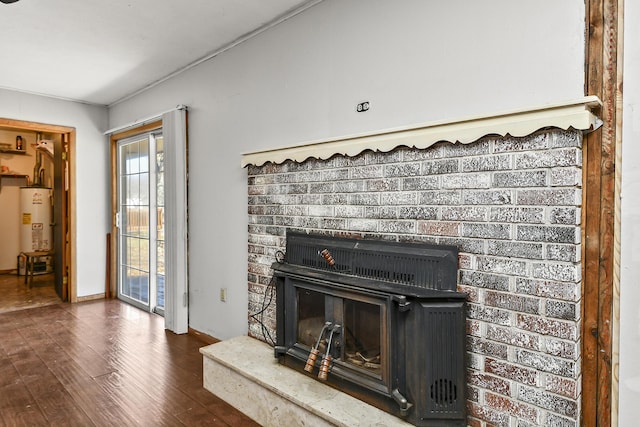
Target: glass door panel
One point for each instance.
(360, 345)
(357, 336)
(137, 232)
(362, 335)
(311, 316)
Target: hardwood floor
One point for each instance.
(102, 363)
(16, 295)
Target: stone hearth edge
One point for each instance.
(243, 372)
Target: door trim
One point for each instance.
(111, 292)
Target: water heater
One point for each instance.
(36, 219)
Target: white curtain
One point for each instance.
(174, 131)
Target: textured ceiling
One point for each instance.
(100, 52)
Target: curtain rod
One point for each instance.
(144, 121)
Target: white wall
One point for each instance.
(629, 372)
(92, 174)
(415, 61)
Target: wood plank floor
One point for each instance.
(102, 363)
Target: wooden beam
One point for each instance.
(34, 126)
(599, 213)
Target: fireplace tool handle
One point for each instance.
(313, 353)
(325, 365)
(328, 258)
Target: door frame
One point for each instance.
(67, 246)
(111, 291)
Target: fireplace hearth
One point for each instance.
(379, 320)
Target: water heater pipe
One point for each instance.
(36, 170)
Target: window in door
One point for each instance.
(141, 221)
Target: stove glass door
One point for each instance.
(363, 335)
(311, 316)
(360, 346)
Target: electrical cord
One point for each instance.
(269, 290)
(258, 316)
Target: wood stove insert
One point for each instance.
(379, 320)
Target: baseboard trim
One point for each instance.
(91, 297)
(207, 339)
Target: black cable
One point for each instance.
(258, 316)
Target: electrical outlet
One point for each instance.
(362, 107)
(223, 294)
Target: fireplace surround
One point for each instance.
(505, 189)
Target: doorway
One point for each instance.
(42, 161)
(149, 239)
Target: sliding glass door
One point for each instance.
(140, 221)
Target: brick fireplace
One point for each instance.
(512, 207)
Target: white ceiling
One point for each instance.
(101, 51)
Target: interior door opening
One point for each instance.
(35, 192)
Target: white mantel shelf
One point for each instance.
(578, 114)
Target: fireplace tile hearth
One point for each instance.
(243, 372)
